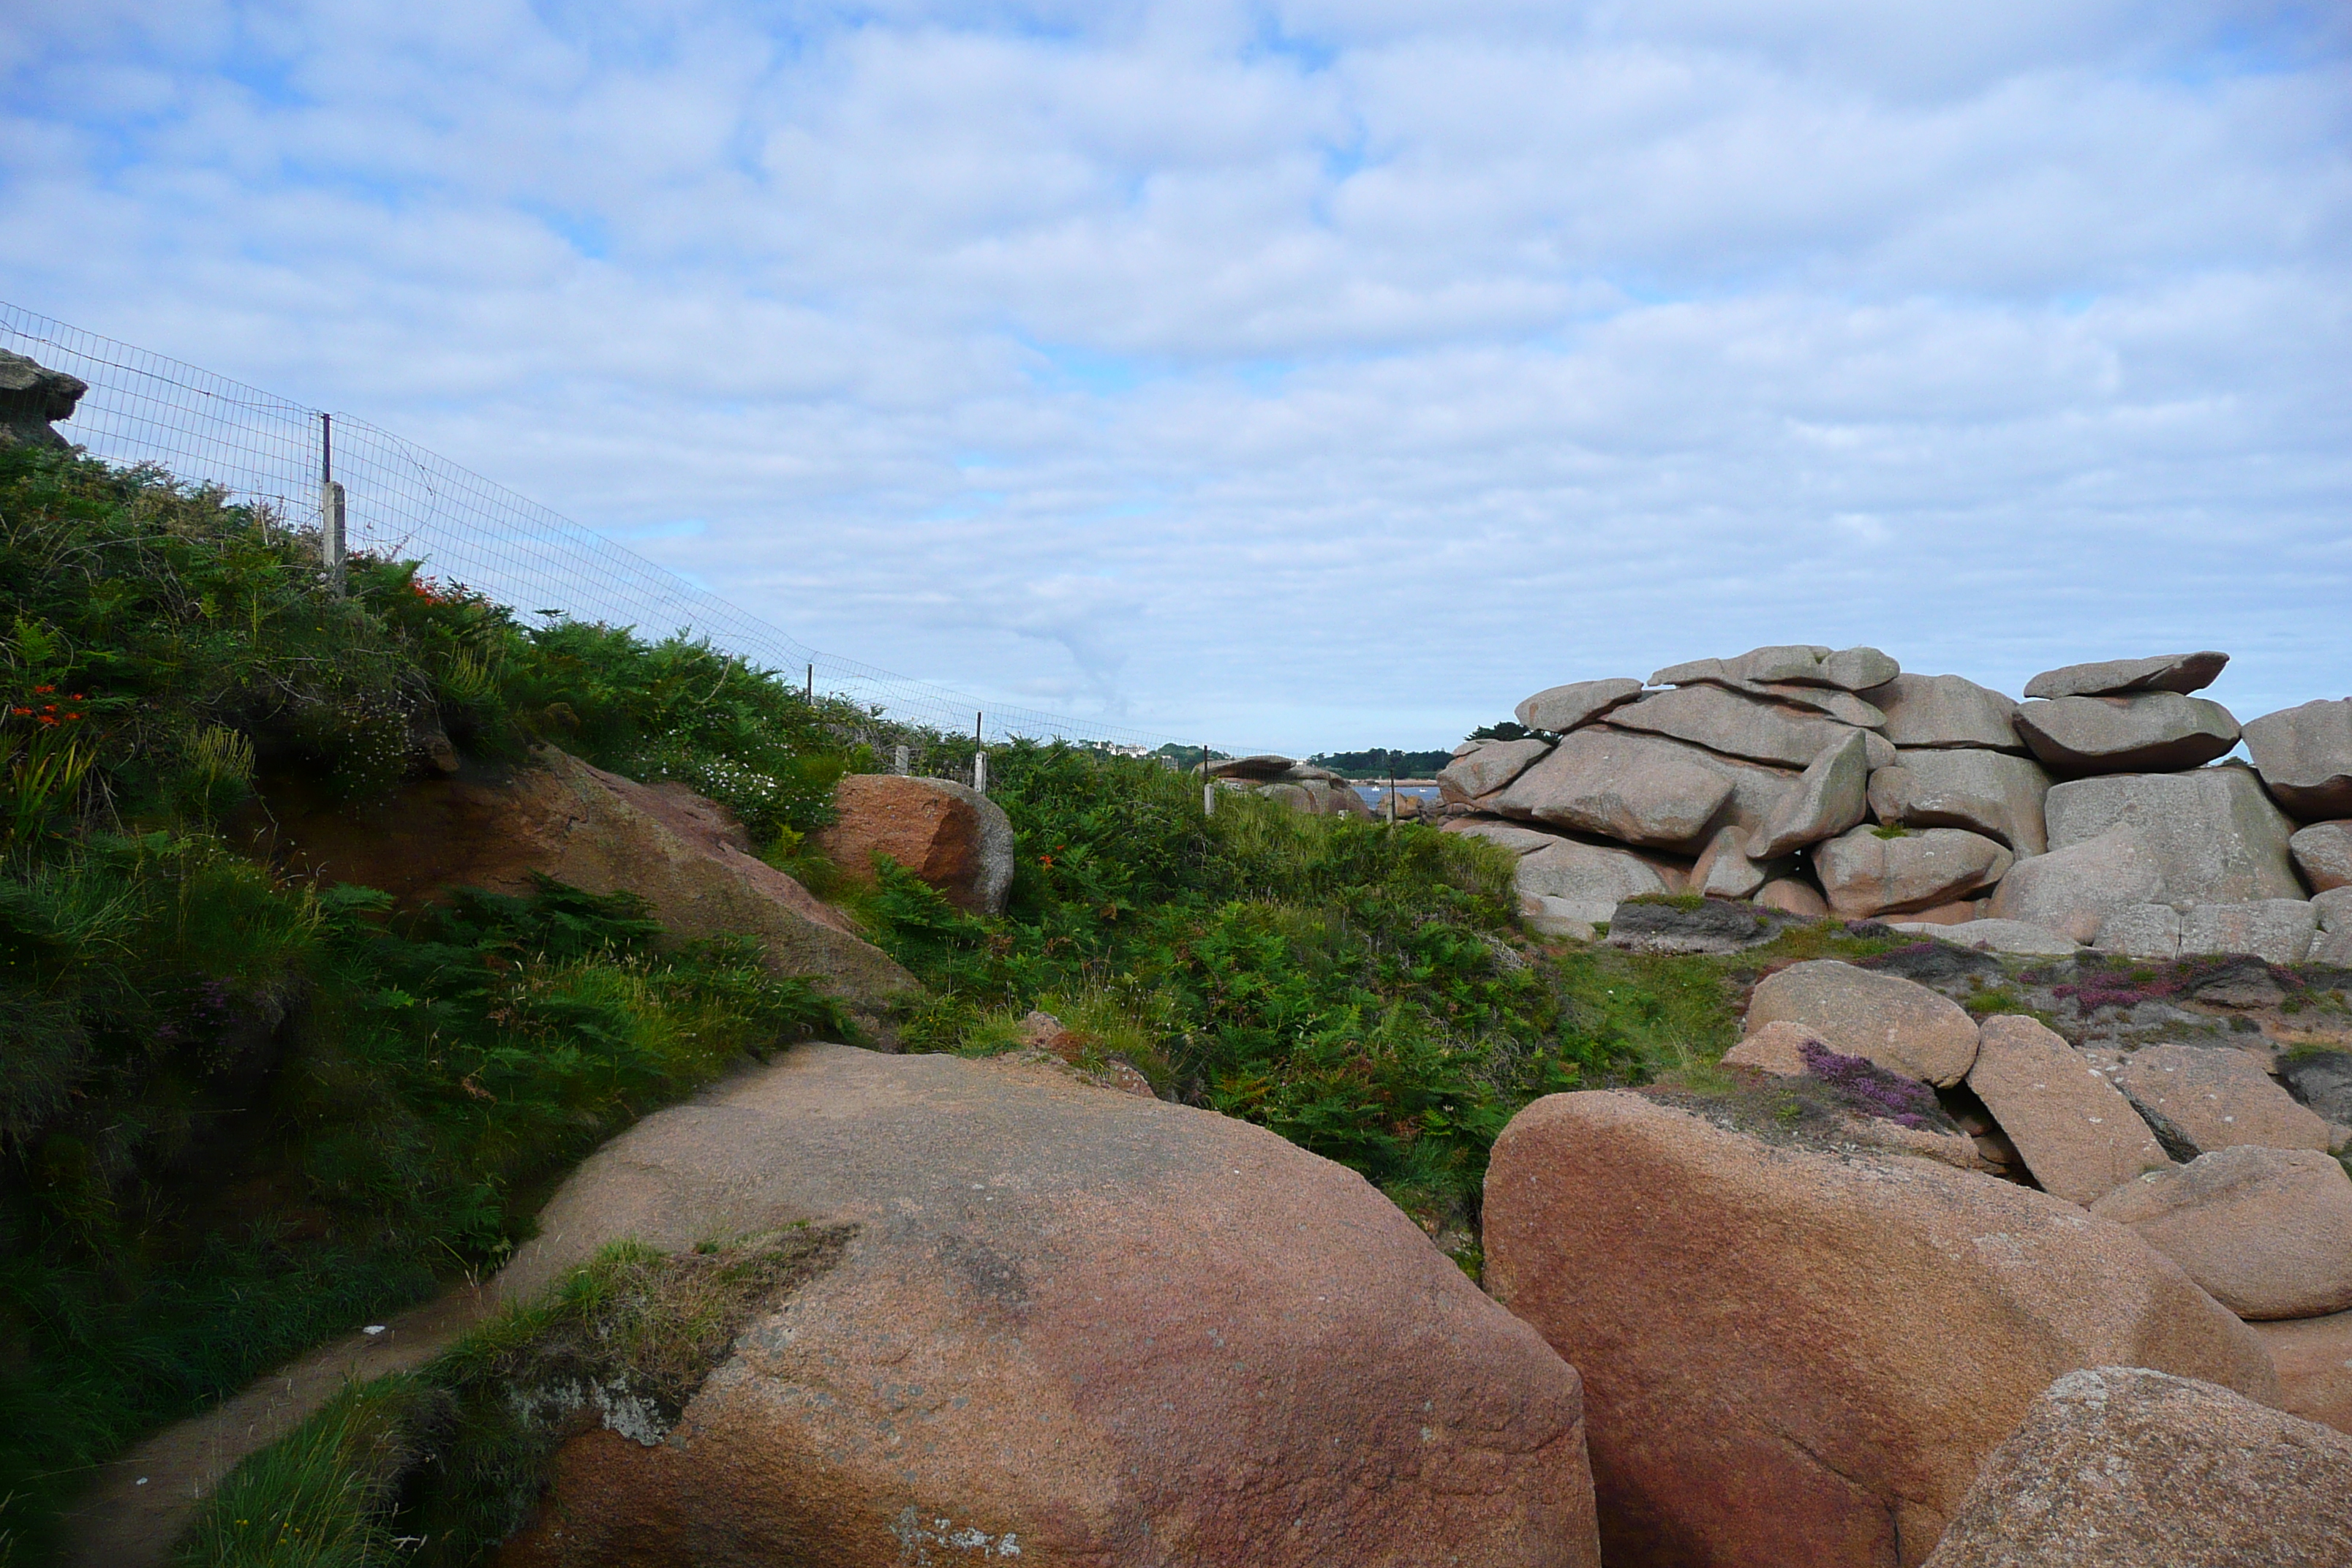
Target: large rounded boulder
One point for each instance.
(1073, 1326)
(1800, 1353)
(948, 834)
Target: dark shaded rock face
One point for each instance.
(2322, 1081)
(32, 395)
(1937, 963)
(1715, 926)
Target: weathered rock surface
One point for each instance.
(2216, 835)
(1865, 874)
(2074, 888)
(948, 834)
(2219, 1099)
(1072, 1325)
(2323, 853)
(686, 856)
(2268, 1232)
(2079, 1136)
(1803, 664)
(1939, 712)
(1560, 709)
(2119, 1466)
(1715, 926)
(2077, 735)
(2313, 1357)
(1996, 936)
(2278, 930)
(1633, 788)
(1740, 726)
(32, 395)
(2142, 931)
(1990, 793)
(2304, 755)
(1589, 874)
(2181, 672)
(1488, 768)
(1831, 796)
(1901, 1026)
(1800, 1357)
(1262, 768)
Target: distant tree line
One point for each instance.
(1380, 764)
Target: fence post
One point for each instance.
(808, 692)
(979, 757)
(331, 507)
(1207, 784)
(900, 763)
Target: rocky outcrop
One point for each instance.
(1801, 1356)
(2219, 1099)
(2217, 836)
(31, 396)
(948, 834)
(1589, 875)
(1990, 793)
(2077, 735)
(1879, 871)
(1737, 725)
(1073, 1326)
(2267, 1231)
(2120, 1467)
(2077, 1134)
(560, 817)
(2304, 755)
(1902, 1027)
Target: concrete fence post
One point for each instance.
(898, 763)
(979, 756)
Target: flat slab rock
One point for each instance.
(2181, 672)
(2079, 1136)
(1716, 926)
(1996, 936)
(2219, 1099)
(1073, 1326)
(2119, 1466)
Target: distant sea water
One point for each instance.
(1374, 792)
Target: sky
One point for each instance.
(1307, 375)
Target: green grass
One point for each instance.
(437, 1467)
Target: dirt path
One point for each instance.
(134, 1514)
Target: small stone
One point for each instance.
(2079, 1136)
(2267, 1231)
(2181, 672)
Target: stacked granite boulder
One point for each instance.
(1822, 783)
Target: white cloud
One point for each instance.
(1311, 375)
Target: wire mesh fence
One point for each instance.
(402, 501)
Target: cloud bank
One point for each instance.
(1306, 375)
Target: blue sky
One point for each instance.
(1307, 375)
